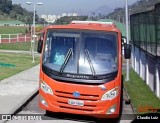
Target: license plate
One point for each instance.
(75, 102)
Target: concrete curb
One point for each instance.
(129, 101)
(22, 104)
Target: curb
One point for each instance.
(129, 101)
(22, 104)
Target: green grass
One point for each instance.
(25, 46)
(140, 93)
(11, 63)
(12, 30)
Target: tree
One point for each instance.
(18, 9)
(6, 6)
(16, 12)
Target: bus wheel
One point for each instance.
(49, 113)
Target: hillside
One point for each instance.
(102, 10)
(9, 11)
(139, 6)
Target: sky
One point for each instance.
(63, 6)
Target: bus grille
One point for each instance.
(84, 97)
(88, 107)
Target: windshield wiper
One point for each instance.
(69, 53)
(90, 63)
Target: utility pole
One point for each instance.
(33, 32)
(127, 36)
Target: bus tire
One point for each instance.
(49, 113)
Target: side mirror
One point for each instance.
(40, 45)
(126, 47)
(127, 51)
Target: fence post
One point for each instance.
(17, 38)
(157, 82)
(25, 38)
(147, 72)
(140, 66)
(133, 57)
(9, 38)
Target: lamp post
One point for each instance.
(33, 36)
(127, 36)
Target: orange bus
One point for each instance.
(81, 69)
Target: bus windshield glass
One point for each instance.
(81, 52)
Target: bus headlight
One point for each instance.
(110, 94)
(46, 88)
(112, 109)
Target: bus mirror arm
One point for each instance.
(40, 45)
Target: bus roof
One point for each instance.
(87, 25)
(93, 22)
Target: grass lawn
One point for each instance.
(12, 30)
(15, 46)
(11, 63)
(141, 95)
(25, 46)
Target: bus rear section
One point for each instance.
(81, 69)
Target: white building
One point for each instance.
(75, 14)
(44, 17)
(49, 18)
(52, 18)
(69, 14)
(58, 16)
(64, 14)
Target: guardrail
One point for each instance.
(13, 38)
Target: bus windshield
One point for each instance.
(81, 52)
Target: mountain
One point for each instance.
(137, 7)
(9, 11)
(103, 10)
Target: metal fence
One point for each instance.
(145, 35)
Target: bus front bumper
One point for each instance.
(99, 109)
